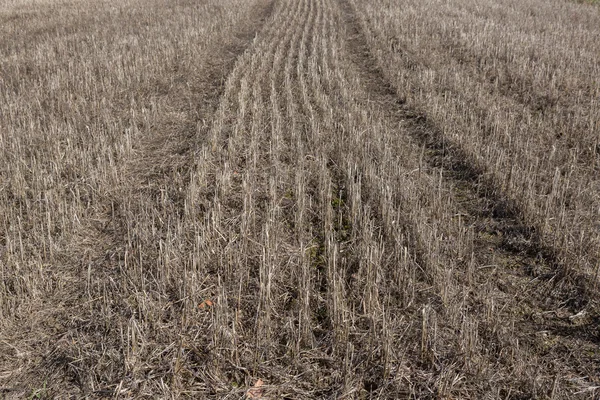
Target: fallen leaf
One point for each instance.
(255, 392)
(206, 303)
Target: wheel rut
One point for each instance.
(123, 246)
(535, 291)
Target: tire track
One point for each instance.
(119, 266)
(530, 172)
(463, 171)
(500, 236)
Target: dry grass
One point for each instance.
(299, 199)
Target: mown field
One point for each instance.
(301, 199)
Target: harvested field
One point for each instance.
(299, 199)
